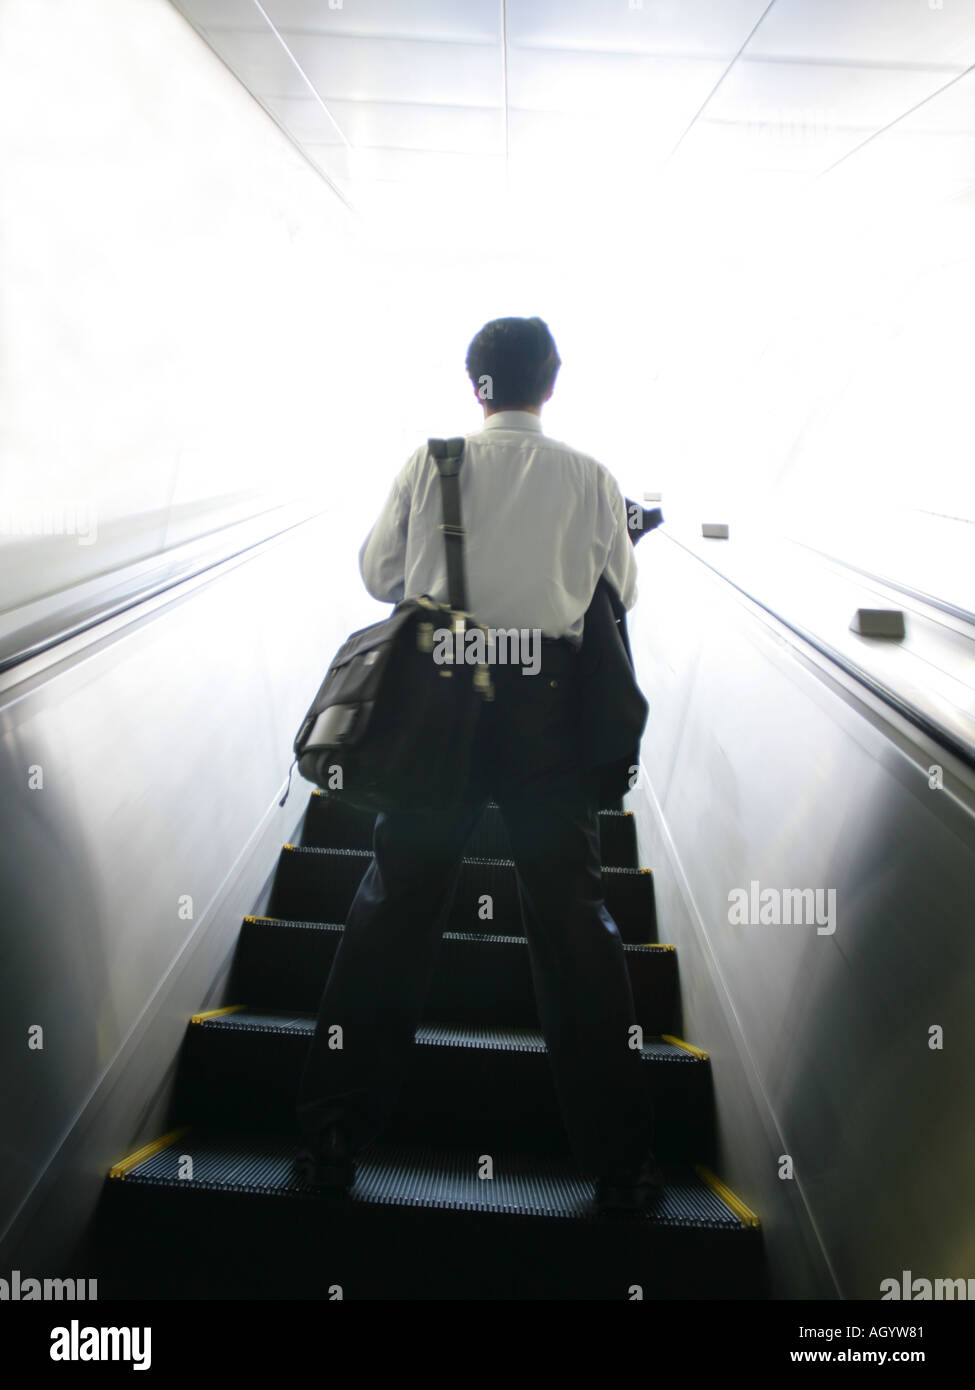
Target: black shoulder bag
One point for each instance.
(392, 726)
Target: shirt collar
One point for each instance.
(513, 420)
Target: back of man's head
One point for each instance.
(513, 363)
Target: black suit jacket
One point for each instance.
(613, 709)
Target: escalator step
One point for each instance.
(521, 1185)
(418, 1223)
(315, 885)
(216, 1210)
(506, 1038)
(330, 825)
(242, 1069)
(477, 977)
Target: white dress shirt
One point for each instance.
(543, 523)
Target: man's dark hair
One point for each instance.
(513, 362)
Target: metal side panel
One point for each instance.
(139, 781)
(841, 1119)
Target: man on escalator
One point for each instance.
(544, 524)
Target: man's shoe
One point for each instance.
(325, 1161)
(633, 1190)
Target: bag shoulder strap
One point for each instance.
(448, 455)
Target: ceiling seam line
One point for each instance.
(385, 101)
(355, 36)
(204, 37)
(896, 121)
(303, 75)
(748, 38)
(504, 94)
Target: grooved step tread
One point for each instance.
(493, 860)
(462, 1035)
(319, 798)
(522, 1185)
(476, 938)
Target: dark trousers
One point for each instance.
(527, 758)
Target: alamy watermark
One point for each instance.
(33, 516)
(925, 1290)
(792, 125)
(26, 1289)
(755, 906)
(77, 1343)
(492, 646)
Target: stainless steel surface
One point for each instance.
(139, 780)
(941, 605)
(929, 673)
(50, 615)
(762, 765)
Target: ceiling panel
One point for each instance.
(697, 28)
(951, 110)
(600, 92)
(463, 21)
(410, 213)
(870, 31)
(461, 129)
(822, 94)
(770, 147)
(576, 142)
(259, 61)
(388, 70)
(406, 167)
(911, 166)
(672, 89)
(305, 120)
(232, 14)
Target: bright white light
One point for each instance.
(193, 317)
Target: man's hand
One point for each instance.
(639, 521)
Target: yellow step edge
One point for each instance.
(126, 1165)
(687, 1047)
(744, 1214)
(217, 1013)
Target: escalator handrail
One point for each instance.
(944, 737)
(227, 547)
(952, 610)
